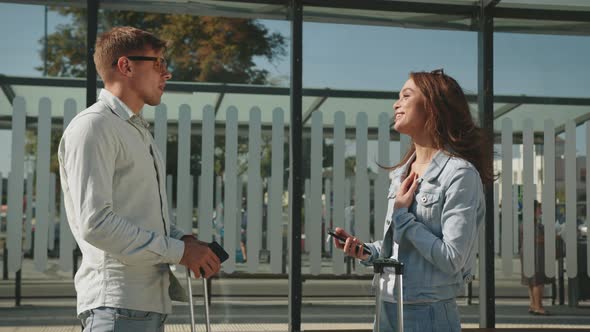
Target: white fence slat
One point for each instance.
(306, 216)
(327, 215)
(65, 243)
(16, 186)
(161, 133)
(43, 184)
(570, 200)
(313, 225)
(218, 209)
(338, 186)
(528, 213)
(241, 214)
(169, 194)
(184, 205)
(265, 239)
(207, 176)
(515, 219)
(549, 196)
(28, 244)
(382, 182)
(507, 213)
(51, 223)
(349, 224)
(232, 202)
(361, 192)
(275, 204)
(66, 239)
(254, 210)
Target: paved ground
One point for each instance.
(271, 314)
(254, 304)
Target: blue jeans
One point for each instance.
(441, 316)
(107, 319)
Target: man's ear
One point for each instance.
(124, 67)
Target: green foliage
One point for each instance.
(204, 49)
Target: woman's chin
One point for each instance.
(400, 128)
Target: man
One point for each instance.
(115, 195)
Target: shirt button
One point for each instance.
(388, 222)
(423, 199)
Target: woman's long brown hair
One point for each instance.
(450, 123)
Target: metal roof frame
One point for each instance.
(278, 9)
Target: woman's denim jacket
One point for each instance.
(435, 238)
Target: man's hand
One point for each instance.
(198, 256)
(352, 247)
(405, 194)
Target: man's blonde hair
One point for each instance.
(120, 41)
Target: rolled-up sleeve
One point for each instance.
(87, 155)
(459, 224)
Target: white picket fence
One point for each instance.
(542, 188)
(325, 198)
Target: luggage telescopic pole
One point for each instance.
(206, 298)
(190, 299)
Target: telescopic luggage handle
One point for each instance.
(223, 256)
(379, 265)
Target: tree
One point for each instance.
(204, 49)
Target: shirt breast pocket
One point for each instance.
(428, 207)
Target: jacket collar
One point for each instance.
(436, 166)
(433, 170)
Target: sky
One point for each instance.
(342, 56)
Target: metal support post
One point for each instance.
(487, 294)
(295, 159)
(92, 28)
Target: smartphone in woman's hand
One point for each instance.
(342, 239)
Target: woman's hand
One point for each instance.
(405, 194)
(352, 247)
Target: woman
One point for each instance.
(436, 204)
(536, 283)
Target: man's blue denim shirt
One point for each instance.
(435, 238)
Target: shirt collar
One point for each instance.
(120, 109)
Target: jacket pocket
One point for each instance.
(428, 207)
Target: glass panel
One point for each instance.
(551, 174)
(541, 65)
(26, 55)
(369, 58)
(58, 96)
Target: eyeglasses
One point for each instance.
(159, 63)
(438, 72)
